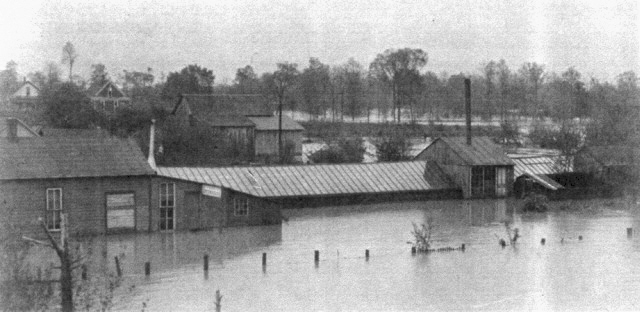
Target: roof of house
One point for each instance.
(266, 123)
(538, 168)
(206, 106)
(23, 84)
(74, 157)
(102, 91)
(318, 180)
(482, 151)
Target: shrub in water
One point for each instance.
(536, 202)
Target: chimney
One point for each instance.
(152, 137)
(12, 126)
(467, 107)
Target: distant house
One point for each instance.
(108, 98)
(25, 98)
(245, 121)
(102, 183)
(481, 168)
(192, 198)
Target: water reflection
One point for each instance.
(598, 272)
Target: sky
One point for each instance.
(600, 39)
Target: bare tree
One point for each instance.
(69, 56)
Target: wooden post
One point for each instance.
(118, 269)
(462, 247)
(542, 241)
(147, 268)
(264, 259)
(413, 250)
(206, 262)
(629, 232)
(580, 237)
(366, 254)
(316, 256)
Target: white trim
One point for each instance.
(47, 210)
(173, 206)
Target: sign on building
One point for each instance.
(213, 191)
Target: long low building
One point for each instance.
(208, 197)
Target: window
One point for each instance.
(167, 205)
(110, 92)
(501, 182)
(240, 207)
(483, 181)
(54, 208)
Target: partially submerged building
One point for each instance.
(477, 165)
(193, 198)
(102, 183)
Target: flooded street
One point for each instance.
(598, 272)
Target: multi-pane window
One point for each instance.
(501, 182)
(167, 205)
(240, 207)
(54, 208)
(483, 181)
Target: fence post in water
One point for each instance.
(366, 254)
(147, 268)
(462, 247)
(413, 250)
(206, 263)
(542, 241)
(629, 232)
(118, 269)
(264, 259)
(316, 256)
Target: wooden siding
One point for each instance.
(83, 199)
(209, 212)
(266, 142)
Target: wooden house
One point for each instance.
(101, 183)
(194, 198)
(25, 98)
(108, 98)
(477, 165)
(245, 121)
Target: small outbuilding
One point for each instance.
(477, 165)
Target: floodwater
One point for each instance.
(599, 272)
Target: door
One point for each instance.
(192, 210)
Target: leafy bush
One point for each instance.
(393, 147)
(536, 203)
(344, 151)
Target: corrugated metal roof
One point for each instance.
(482, 151)
(318, 180)
(536, 165)
(61, 157)
(545, 181)
(271, 123)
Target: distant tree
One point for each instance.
(8, 80)
(191, 79)
(393, 145)
(314, 83)
(354, 88)
(400, 69)
(99, 76)
(246, 79)
(69, 56)
(67, 106)
(279, 83)
(533, 74)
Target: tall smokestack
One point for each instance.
(152, 137)
(467, 107)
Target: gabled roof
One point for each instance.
(103, 91)
(85, 133)
(61, 157)
(318, 180)
(206, 106)
(271, 123)
(482, 151)
(23, 84)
